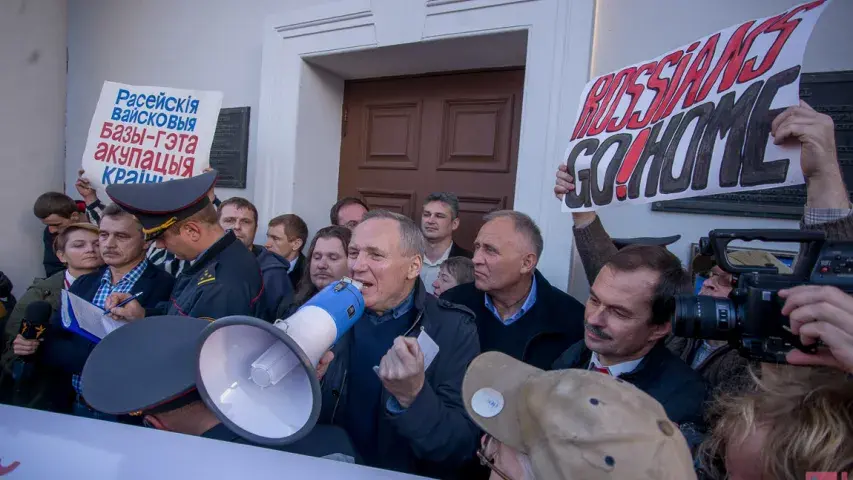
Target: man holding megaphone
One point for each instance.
(396, 378)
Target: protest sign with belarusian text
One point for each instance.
(149, 134)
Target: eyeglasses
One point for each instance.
(487, 453)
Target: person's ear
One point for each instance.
(659, 331)
(528, 263)
(454, 224)
(155, 422)
(61, 256)
(297, 244)
(192, 229)
(414, 267)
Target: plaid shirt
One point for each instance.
(125, 285)
(819, 216)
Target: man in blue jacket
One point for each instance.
(240, 216)
(127, 271)
(223, 277)
(402, 411)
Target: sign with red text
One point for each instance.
(149, 134)
(693, 121)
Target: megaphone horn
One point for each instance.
(260, 378)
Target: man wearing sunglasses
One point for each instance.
(223, 277)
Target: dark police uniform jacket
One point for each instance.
(434, 436)
(224, 280)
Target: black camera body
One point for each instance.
(751, 319)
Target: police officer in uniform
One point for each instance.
(223, 277)
(148, 369)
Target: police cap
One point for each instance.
(145, 367)
(158, 206)
(654, 241)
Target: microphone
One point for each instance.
(33, 326)
(36, 320)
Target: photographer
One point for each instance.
(827, 209)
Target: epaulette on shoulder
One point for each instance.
(205, 278)
(469, 314)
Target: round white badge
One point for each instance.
(487, 402)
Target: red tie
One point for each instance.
(603, 370)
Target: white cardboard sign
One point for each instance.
(693, 121)
(143, 134)
(36, 444)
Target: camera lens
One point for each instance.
(704, 317)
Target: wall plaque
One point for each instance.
(230, 152)
(827, 92)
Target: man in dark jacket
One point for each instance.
(122, 246)
(439, 219)
(402, 412)
(224, 277)
(627, 319)
(287, 235)
(240, 216)
(518, 312)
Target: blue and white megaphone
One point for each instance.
(260, 378)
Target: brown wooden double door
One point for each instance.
(404, 138)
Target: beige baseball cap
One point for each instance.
(575, 423)
(745, 258)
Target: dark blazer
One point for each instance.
(434, 436)
(662, 375)
(68, 350)
(457, 251)
(50, 261)
(551, 326)
(298, 269)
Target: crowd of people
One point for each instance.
(529, 383)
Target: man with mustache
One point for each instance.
(123, 248)
(627, 320)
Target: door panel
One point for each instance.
(405, 138)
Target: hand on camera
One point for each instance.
(821, 313)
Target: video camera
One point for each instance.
(751, 318)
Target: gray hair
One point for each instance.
(446, 198)
(115, 211)
(411, 238)
(523, 225)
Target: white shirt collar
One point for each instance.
(616, 370)
(69, 278)
(440, 260)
